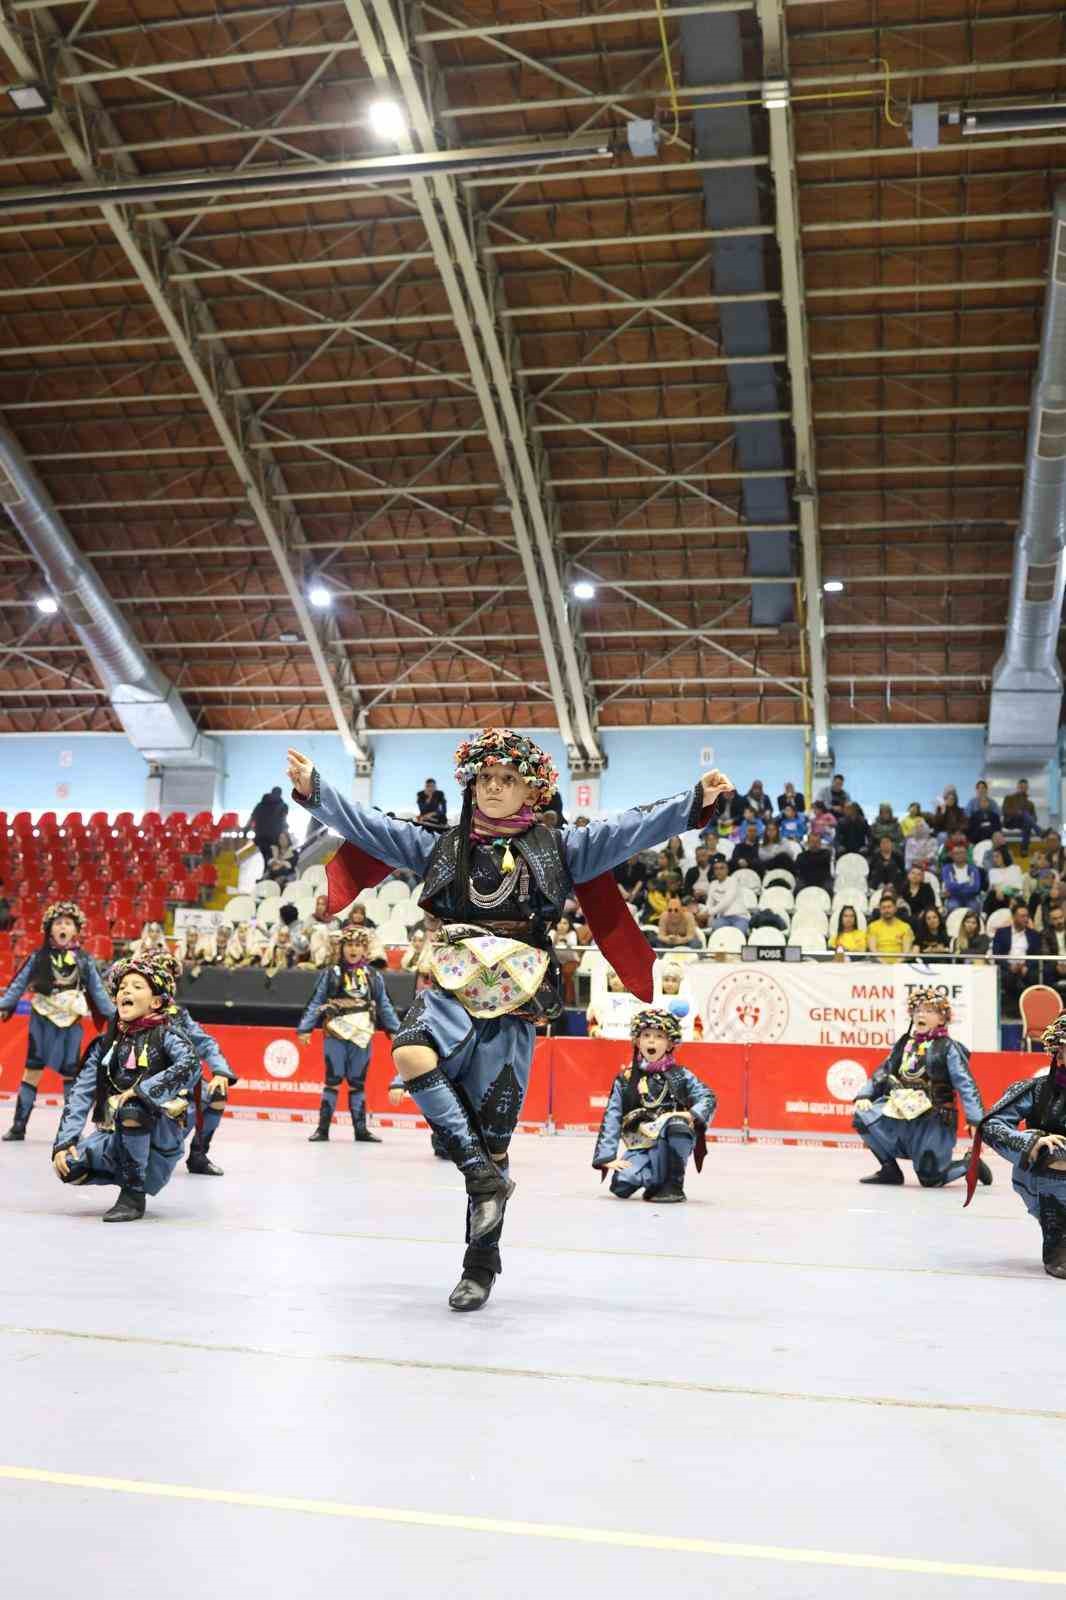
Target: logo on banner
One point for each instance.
(747, 1008)
(281, 1058)
(845, 1078)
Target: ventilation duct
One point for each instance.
(1023, 716)
(146, 703)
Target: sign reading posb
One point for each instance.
(747, 1006)
(281, 1058)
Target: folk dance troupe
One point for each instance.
(494, 885)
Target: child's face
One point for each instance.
(64, 932)
(926, 1018)
(671, 983)
(135, 998)
(501, 791)
(652, 1044)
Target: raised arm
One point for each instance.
(17, 987)
(964, 1083)
(603, 845)
(610, 1128)
(386, 1011)
(387, 839)
(79, 1101)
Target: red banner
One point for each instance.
(584, 1069)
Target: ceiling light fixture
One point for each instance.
(583, 590)
(320, 596)
(833, 586)
(386, 119)
(1013, 118)
(47, 604)
(30, 99)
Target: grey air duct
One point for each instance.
(150, 709)
(1023, 715)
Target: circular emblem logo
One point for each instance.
(845, 1078)
(747, 1008)
(281, 1058)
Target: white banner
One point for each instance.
(188, 918)
(835, 1003)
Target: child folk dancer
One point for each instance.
(66, 986)
(135, 1080)
(1038, 1152)
(659, 1110)
(498, 883)
(208, 1102)
(909, 1107)
(353, 1000)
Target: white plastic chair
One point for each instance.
(767, 936)
(266, 890)
(955, 921)
(981, 852)
(314, 878)
(721, 847)
(750, 898)
(808, 921)
(934, 883)
(852, 868)
(393, 933)
(778, 898)
(727, 940)
(240, 909)
(409, 913)
(780, 875)
(748, 879)
(391, 893)
(813, 896)
(998, 919)
(812, 944)
(268, 912)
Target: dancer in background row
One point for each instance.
(66, 985)
(1038, 1152)
(909, 1106)
(351, 1002)
(498, 882)
(135, 1081)
(208, 1103)
(659, 1111)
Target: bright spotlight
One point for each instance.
(386, 119)
(320, 596)
(833, 586)
(584, 590)
(48, 604)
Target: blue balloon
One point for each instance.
(678, 1008)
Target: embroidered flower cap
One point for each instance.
(62, 908)
(661, 1021)
(929, 997)
(1054, 1038)
(158, 970)
(353, 933)
(498, 747)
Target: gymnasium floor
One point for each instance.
(790, 1387)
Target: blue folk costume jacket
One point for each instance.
(206, 1046)
(942, 1071)
(48, 971)
(342, 988)
(552, 865)
(159, 1064)
(1041, 1104)
(640, 1091)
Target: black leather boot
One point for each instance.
(1053, 1227)
(438, 1148)
(472, 1290)
(129, 1207)
(672, 1192)
(489, 1192)
(888, 1172)
(321, 1133)
(15, 1134)
(363, 1134)
(200, 1164)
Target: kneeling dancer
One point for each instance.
(497, 882)
(1037, 1153)
(908, 1108)
(659, 1110)
(66, 987)
(136, 1080)
(353, 1001)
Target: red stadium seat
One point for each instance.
(102, 947)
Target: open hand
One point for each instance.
(300, 771)
(396, 1096)
(1053, 1143)
(715, 784)
(303, 1040)
(217, 1088)
(62, 1159)
(617, 1165)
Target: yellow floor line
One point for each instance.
(621, 1539)
(967, 1408)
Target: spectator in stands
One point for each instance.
(268, 820)
(698, 879)
(749, 820)
(1041, 906)
(931, 934)
(1021, 943)
(970, 941)
(849, 939)
(432, 804)
(281, 868)
(775, 851)
(853, 831)
(1003, 897)
(919, 848)
(1056, 855)
(814, 865)
(916, 895)
(834, 797)
(416, 959)
(962, 883)
(982, 823)
(949, 816)
(886, 867)
(980, 800)
(758, 799)
(790, 797)
(1053, 940)
(886, 826)
(665, 882)
(793, 824)
(677, 927)
(1019, 813)
(823, 824)
(908, 823)
(1040, 876)
(289, 917)
(152, 942)
(725, 900)
(746, 851)
(889, 936)
(631, 877)
(1002, 872)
